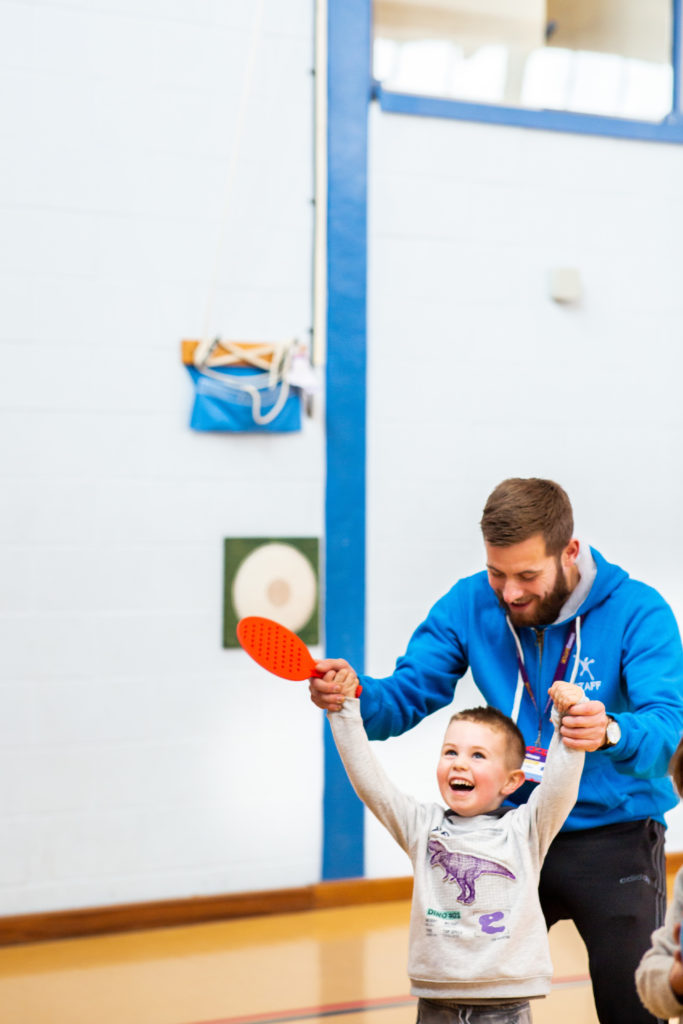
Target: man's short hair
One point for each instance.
(496, 720)
(520, 508)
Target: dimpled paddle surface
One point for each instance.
(275, 648)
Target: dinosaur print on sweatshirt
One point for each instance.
(464, 868)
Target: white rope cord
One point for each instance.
(578, 649)
(514, 714)
(205, 346)
(284, 362)
(278, 371)
(276, 359)
(259, 356)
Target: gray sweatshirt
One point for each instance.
(652, 975)
(476, 928)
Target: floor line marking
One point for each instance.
(356, 1006)
(308, 1012)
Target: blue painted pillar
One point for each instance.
(349, 84)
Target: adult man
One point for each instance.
(549, 607)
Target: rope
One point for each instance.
(205, 346)
(279, 363)
(278, 370)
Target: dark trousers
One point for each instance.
(611, 882)
(435, 1011)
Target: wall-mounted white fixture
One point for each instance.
(565, 284)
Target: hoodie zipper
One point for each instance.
(523, 679)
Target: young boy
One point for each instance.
(478, 942)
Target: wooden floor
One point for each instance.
(346, 963)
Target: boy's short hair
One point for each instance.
(676, 768)
(520, 508)
(496, 720)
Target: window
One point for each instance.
(599, 59)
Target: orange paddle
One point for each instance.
(277, 649)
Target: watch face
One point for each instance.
(613, 733)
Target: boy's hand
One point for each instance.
(348, 680)
(583, 721)
(326, 693)
(565, 695)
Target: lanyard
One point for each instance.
(573, 635)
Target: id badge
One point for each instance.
(534, 763)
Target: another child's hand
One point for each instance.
(565, 696)
(676, 972)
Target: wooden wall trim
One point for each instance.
(125, 917)
(63, 924)
(674, 862)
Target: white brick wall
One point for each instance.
(138, 759)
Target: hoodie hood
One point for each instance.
(602, 579)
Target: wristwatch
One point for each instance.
(612, 734)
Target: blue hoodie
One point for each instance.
(630, 659)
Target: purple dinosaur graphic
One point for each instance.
(464, 869)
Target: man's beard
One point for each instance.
(548, 607)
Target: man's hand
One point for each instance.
(326, 693)
(584, 728)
